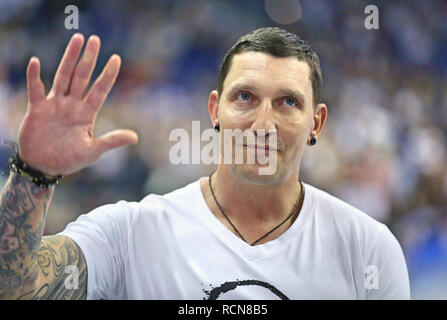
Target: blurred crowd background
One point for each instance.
(383, 149)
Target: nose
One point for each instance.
(263, 119)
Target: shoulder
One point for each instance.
(335, 208)
(153, 203)
(115, 216)
(186, 198)
(341, 217)
(118, 219)
(354, 230)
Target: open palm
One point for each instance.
(56, 134)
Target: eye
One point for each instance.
(290, 102)
(244, 96)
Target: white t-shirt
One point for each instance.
(173, 247)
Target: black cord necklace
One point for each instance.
(299, 203)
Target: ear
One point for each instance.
(213, 107)
(319, 120)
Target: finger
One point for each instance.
(85, 67)
(35, 87)
(114, 139)
(101, 88)
(64, 71)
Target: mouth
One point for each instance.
(261, 147)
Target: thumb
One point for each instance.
(114, 139)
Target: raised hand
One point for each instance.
(56, 134)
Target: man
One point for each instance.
(235, 235)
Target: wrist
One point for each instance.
(17, 165)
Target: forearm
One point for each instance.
(23, 209)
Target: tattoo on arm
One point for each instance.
(62, 270)
(32, 267)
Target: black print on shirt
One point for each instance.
(229, 286)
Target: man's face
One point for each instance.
(266, 92)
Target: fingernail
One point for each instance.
(112, 70)
(115, 66)
(77, 35)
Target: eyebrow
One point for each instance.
(241, 87)
(283, 92)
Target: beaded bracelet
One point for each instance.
(18, 166)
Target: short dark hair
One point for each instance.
(279, 43)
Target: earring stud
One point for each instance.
(313, 140)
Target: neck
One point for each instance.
(247, 202)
